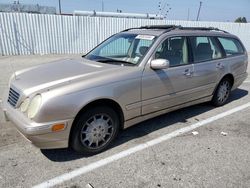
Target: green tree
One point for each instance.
(241, 20)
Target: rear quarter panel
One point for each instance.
(238, 64)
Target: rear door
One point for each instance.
(208, 64)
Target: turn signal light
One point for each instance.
(58, 127)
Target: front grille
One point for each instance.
(13, 97)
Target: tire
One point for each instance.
(222, 92)
(94, 130)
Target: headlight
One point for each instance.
(24, 105)
(34, 106)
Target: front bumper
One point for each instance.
(39, 134)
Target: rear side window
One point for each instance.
(231, 46)
(205, 49)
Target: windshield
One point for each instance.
(123, 48)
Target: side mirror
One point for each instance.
(159, 64)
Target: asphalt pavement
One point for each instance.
(216, 154)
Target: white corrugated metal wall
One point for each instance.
(23, 34)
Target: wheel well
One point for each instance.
(227, 76)
(101, 102)
(230, 77)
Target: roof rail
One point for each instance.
(171, 27)
(158, 26)
(202, 29)
(153, 27)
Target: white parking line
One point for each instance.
(92, 166)
(247, 81)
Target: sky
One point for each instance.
(211, 10)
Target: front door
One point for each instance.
(166, 88)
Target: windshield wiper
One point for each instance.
(114, 61)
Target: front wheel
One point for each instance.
(222, 92)
(94, 130)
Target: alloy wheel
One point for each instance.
(97, 131)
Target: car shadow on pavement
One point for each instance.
(144, 128)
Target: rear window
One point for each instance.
(231, 46)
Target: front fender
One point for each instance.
(58, 106)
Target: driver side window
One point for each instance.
(175, 50)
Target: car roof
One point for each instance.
(159, 30)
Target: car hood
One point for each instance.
(55, 74)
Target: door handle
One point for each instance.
(188, 73)
(219, 66)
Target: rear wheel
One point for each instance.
(222, 92)
(94, 130)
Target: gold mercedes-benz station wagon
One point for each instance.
(132, 76)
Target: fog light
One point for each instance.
(58, 127)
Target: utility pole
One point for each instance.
(198, 15)
(188, 15)
(60, 9)
(18, 5)
(102, 6)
